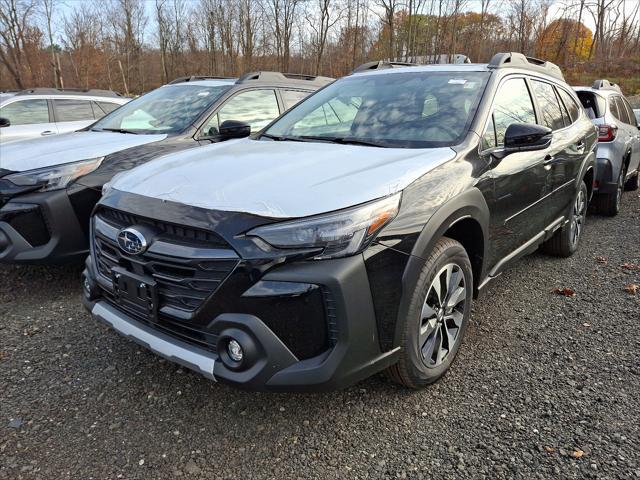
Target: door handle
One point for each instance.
(47, 132)
(548, 160)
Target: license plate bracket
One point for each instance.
(136, 292)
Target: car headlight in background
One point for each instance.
(339, 234)
(55, 177)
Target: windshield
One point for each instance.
(168, 109)
(408, 110)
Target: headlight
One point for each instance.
(339, 234)
(56, 177)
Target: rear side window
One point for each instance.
(512, 105)
(549, 106)
(291, 97)
(632, 115)
(622, 110)
(613, 107)
(570, 104)
(102, 108)
(26, 112)
(73, 110)
(594, 105)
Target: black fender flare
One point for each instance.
(588, 162)
(470, 204)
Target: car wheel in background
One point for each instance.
(565, 241)
(633, 183)
(437, 318)
(609, 203)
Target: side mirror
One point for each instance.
(4, 122)
(526, 137)
(234, 129)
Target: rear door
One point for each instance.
(566, 151)
(29, 117)
(634, 134)
(72, 114)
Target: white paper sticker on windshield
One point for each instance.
(458, 81)
(203, 94)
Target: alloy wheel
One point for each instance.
(577, 220)
(442, 315)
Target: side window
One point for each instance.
(291, 97)
(73, 110)
(549, 106)
(632, 116)
(336, 116)
(256, 107)
(489, 137)
(26, 112)
(512, 105)
(108, 107)
(613, 107)
(570, 104)
(624, 116)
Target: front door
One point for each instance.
(520, 179)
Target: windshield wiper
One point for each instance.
(283, 138)
(117, 130)
(347, 141)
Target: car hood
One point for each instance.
(280, 179)
(67, 147)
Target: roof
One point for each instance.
(92, 92)
(289, 79)
(601, 92)
(510, 60)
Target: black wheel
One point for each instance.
(633, 183)
(609, 203)
(437, 318)
(565, 241)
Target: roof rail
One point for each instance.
(283, 78)
(518, 60)
(194, 78)
(382, 65)
(604, 84)
(69, 91)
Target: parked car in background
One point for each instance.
(618, 143)
(48, 186)
(40, 112)
(636, 112)
(351, 235)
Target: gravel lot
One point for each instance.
(546, 386)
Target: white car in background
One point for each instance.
(40, 112)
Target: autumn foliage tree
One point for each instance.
(564, 39)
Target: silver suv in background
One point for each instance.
(618, 143)
(39, 112)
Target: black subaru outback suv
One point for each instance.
(49, 185)
(351, 235)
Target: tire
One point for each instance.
(609, 203)
(633, 183)
(431, 336)
(565, 241)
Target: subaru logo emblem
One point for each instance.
(131, 241)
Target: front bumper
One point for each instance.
(46, 227)
(351, 354)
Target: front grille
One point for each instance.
(183, 284)
(121, 219)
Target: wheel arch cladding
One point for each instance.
(464, 218)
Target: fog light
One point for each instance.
(86, 285)
(235, 351)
